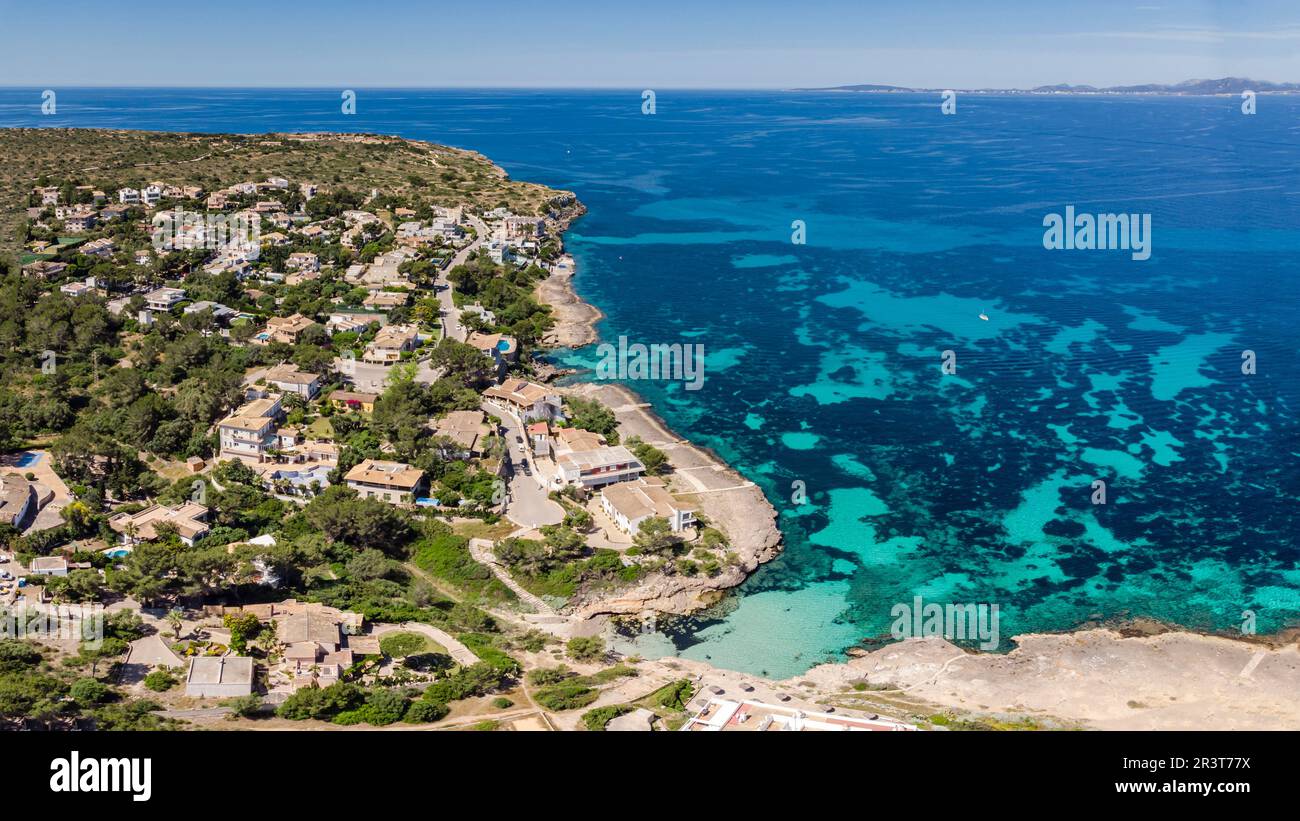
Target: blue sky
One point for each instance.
(656, 44)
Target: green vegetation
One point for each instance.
(597, 719)
(561, 563)
(507, 292)
(654, 459)
(402, 168)
(401, 645)
(565, 696)
(161, 680)
(445, 555)
(586, 648)
(673, 696)
(589, 414)
(38, 695)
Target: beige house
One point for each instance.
(164, 299)
(528, 400)
(249, 432)
(392, 482)
(17, 498)
(318, 647)
(466, 428)
(386, 300)
(390, 343)
(286, 329)
(303, 261)
(140, 527)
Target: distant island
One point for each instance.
(1224, 85)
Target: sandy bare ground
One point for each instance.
(1096, 679)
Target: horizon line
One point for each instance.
(491, 87)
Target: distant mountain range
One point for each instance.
(1224, 85)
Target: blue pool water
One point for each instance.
(823, 358)
(27, 460)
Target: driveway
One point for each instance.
(147, 654)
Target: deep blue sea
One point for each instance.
(824, 358)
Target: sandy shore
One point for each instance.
(575, 320)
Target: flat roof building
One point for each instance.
(219, 677)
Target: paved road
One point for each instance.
(450, 313)
(527, 504)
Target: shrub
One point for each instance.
(674, 696)
(428, 662)
(597, 719)
(475, 680)
(318, 703)
(565, 696)
(544, 676)
(160, 680)
(384, 707)
(88, 691)
(424, 712)
(502, 703)
(586, 648)
(245, 706)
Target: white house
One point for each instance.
(291, 380)
(597, 467)
(128, 196)
(629, 504)
(164, 299)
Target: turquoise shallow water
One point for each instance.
(823, 359)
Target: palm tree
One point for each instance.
(175, 618)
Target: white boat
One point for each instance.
(984, 316)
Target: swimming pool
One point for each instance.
(27, 460)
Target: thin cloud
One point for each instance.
(1176, 34)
